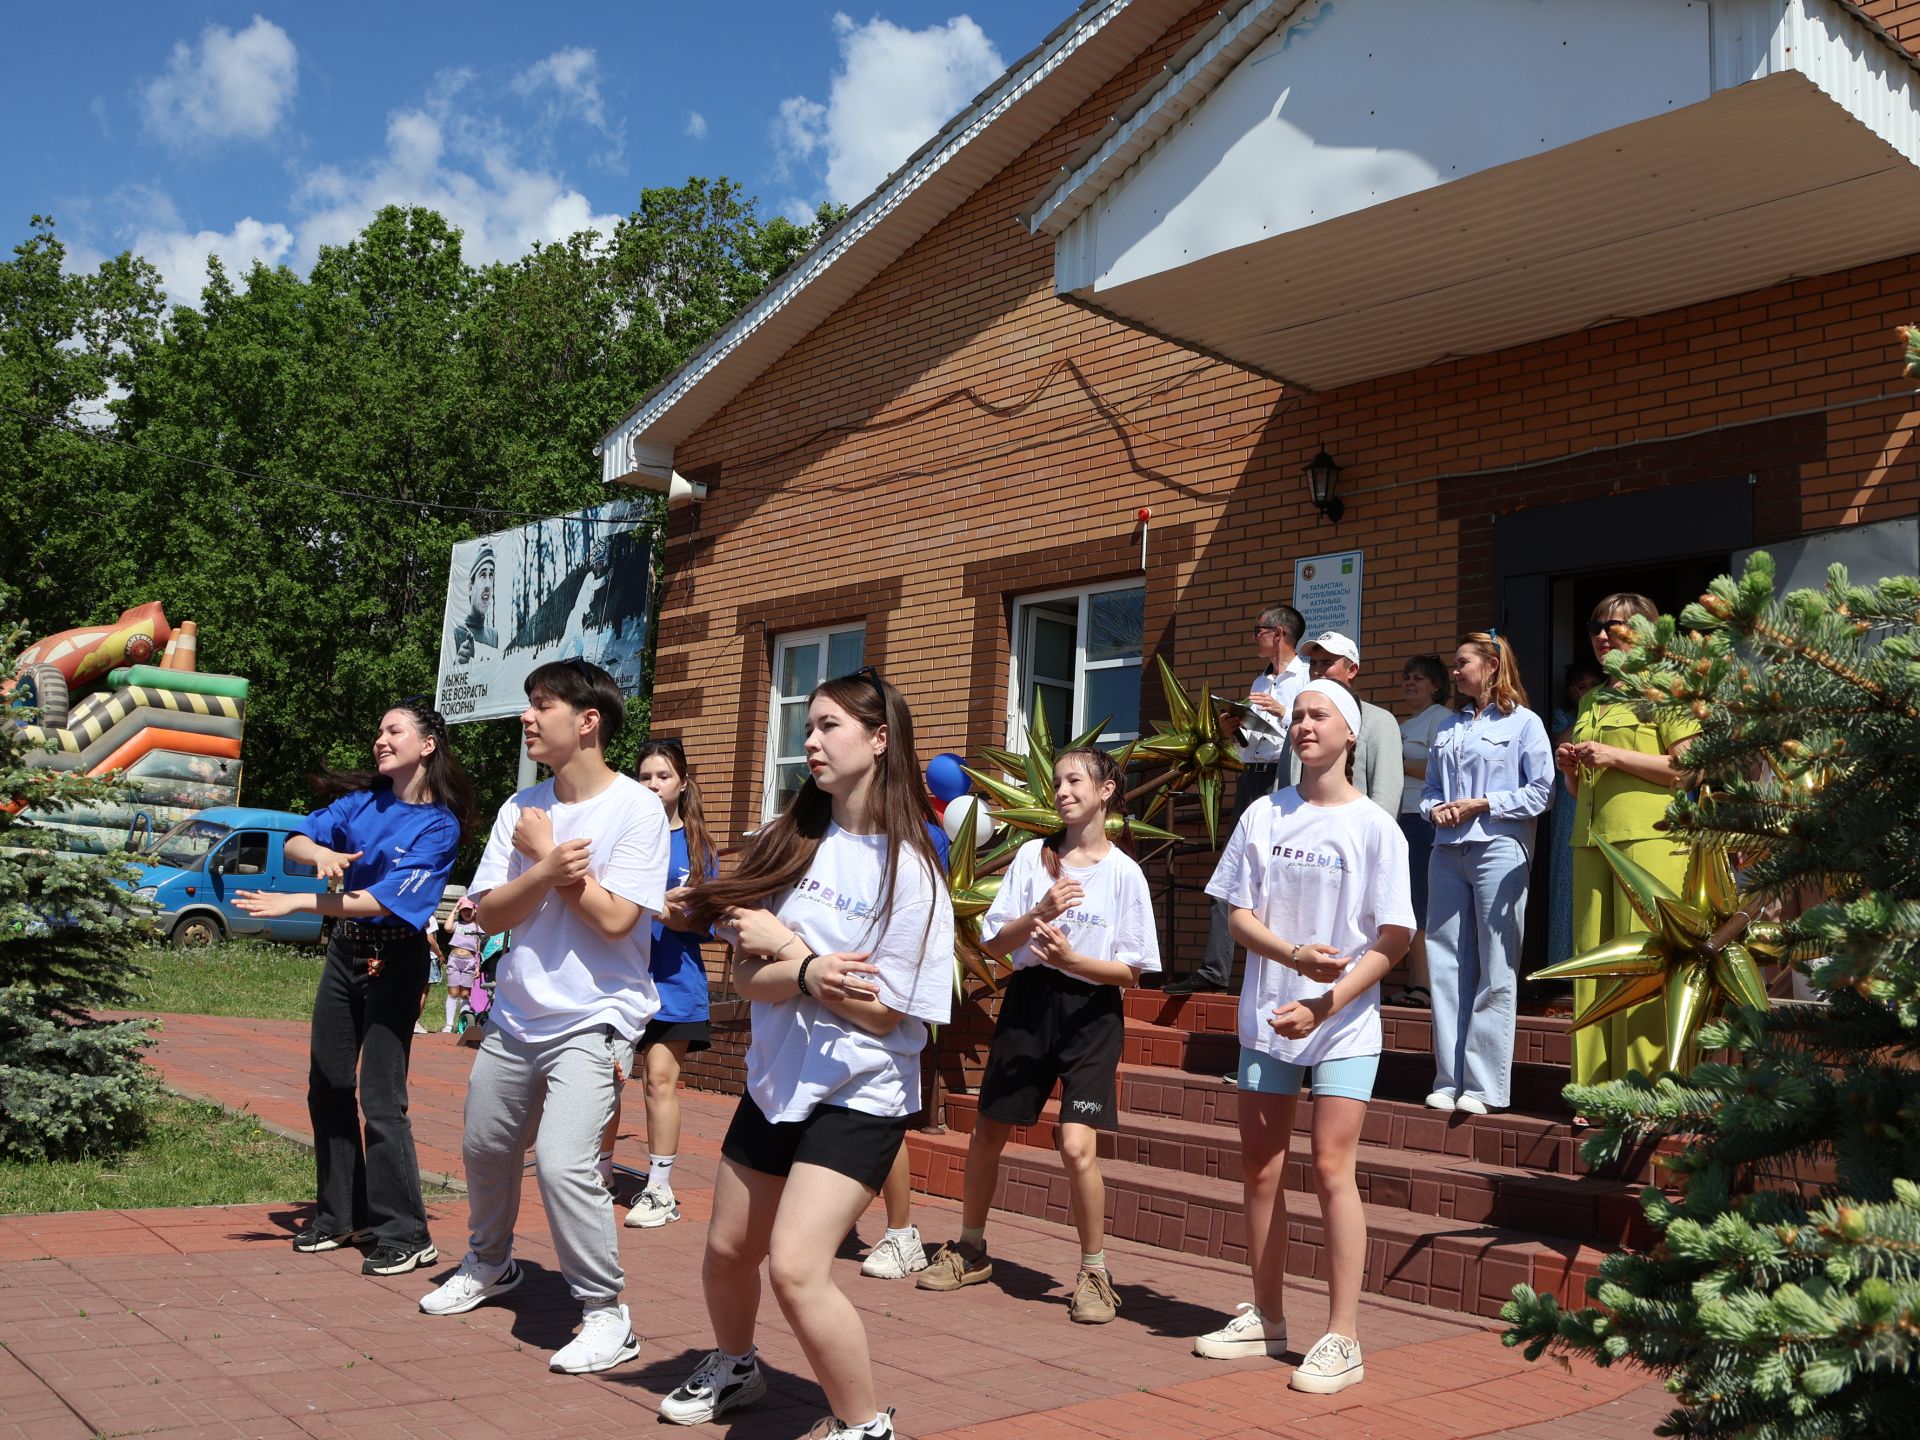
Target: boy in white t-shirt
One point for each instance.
(1075, 918)
(576, 867)
(1316, 880)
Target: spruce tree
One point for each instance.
(71, 1085)
(1783, 1296)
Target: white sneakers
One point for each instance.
(895, 1257)
(1441, 1100)
(1247, 1333)
(469, 1285)
(654, 1208)
(1465, 1104)
(606, 1339)
(1330, 1367)
(716, 1386)
(832, 1428)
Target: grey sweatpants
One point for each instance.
(558, 1094)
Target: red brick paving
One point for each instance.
(202, 1322)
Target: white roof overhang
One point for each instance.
(1331, 190)
(1035, 94)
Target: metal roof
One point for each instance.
(1093, 44)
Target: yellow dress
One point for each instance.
(1622, 810)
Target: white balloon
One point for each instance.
(955, 819)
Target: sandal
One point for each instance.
(1414, 997)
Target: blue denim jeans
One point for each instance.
(1476, 909)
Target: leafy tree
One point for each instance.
(70, 1085)
(1783, 1299)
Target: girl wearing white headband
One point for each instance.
(1316, 878)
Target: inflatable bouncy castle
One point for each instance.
(173, 733)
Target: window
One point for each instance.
(1077, 652)
(801, 662)
(245, 854)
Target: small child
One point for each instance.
(463, 960)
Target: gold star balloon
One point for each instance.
(1700, 949)
(973, 895)
(1197, 752)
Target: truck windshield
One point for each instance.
(185, 846)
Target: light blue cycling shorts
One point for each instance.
(1350, 1077)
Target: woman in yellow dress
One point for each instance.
(1621, 771)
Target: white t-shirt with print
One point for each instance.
(1314, 874)
(1113, 921)
(802, 1054)
(561, 975)
(1416, 740)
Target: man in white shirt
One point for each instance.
(1377, 771)
(576, 867)
(1263, 746)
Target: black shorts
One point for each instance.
(1055, 1028)
(833, 1137)
(698, 1034)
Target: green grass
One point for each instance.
(235, 977)
(194, 1154)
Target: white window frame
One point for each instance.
(770, 785)
(1020, 702)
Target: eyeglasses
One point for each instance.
(585, 669)
(1265, 629)
(871, 676)
(1605, 627)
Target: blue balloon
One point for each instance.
(946, 779)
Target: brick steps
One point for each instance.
(1448, 1187)
(1454, 1264)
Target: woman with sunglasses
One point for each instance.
(1622, 772)
(389, 836)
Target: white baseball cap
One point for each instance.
(1334, 643)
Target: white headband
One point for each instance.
(1341, 697)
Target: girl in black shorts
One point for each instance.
(843, 930)
(1075, 918)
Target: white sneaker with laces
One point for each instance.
(714, 1388)
(1330, 1367)
(654, 1208)
(895, 1257)
(606, 1339)
(1247, 1333)
(469, 1285)
(1440, 1100)
(831, 1428)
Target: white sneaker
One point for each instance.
(1471, 1105)
(832, 1428)
(654, 1208)
(469, 1285)
(1440, 1100)
(1330, 1367)
(895, 1257)
(606, 1339)
(714, 1388)
(1247, 1333)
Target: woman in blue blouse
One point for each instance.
(1489, 777)
(390, 838)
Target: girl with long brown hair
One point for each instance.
(1489, 779)
(1075, 918)
(843, 933)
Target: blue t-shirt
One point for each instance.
(406, 851)
(679, 973)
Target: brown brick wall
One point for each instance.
(955, 435)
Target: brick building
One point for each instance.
(1579, 298)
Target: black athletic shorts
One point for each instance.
(1055, 1028)
(697, 1033)
(833, 1137)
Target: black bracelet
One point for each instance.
(801, 978)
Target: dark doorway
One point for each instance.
(1553, 563)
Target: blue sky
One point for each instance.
(261, 130)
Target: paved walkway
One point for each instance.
(202, 1322)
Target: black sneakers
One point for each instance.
(313, 1240)
(390, 1259)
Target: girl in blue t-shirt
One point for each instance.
(681, 1025)
(390, 837)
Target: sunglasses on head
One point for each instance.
(871, 676)
(585, 669)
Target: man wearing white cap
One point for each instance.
(1377, 771)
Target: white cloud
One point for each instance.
(893, 90)
(696, 125)
(233, 85)
(180, 254)
(567, 82)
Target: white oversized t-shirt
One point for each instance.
(804, 1055)
(1314, 874)
(561, 975)
(1113, 921)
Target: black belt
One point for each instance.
(365, 932)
